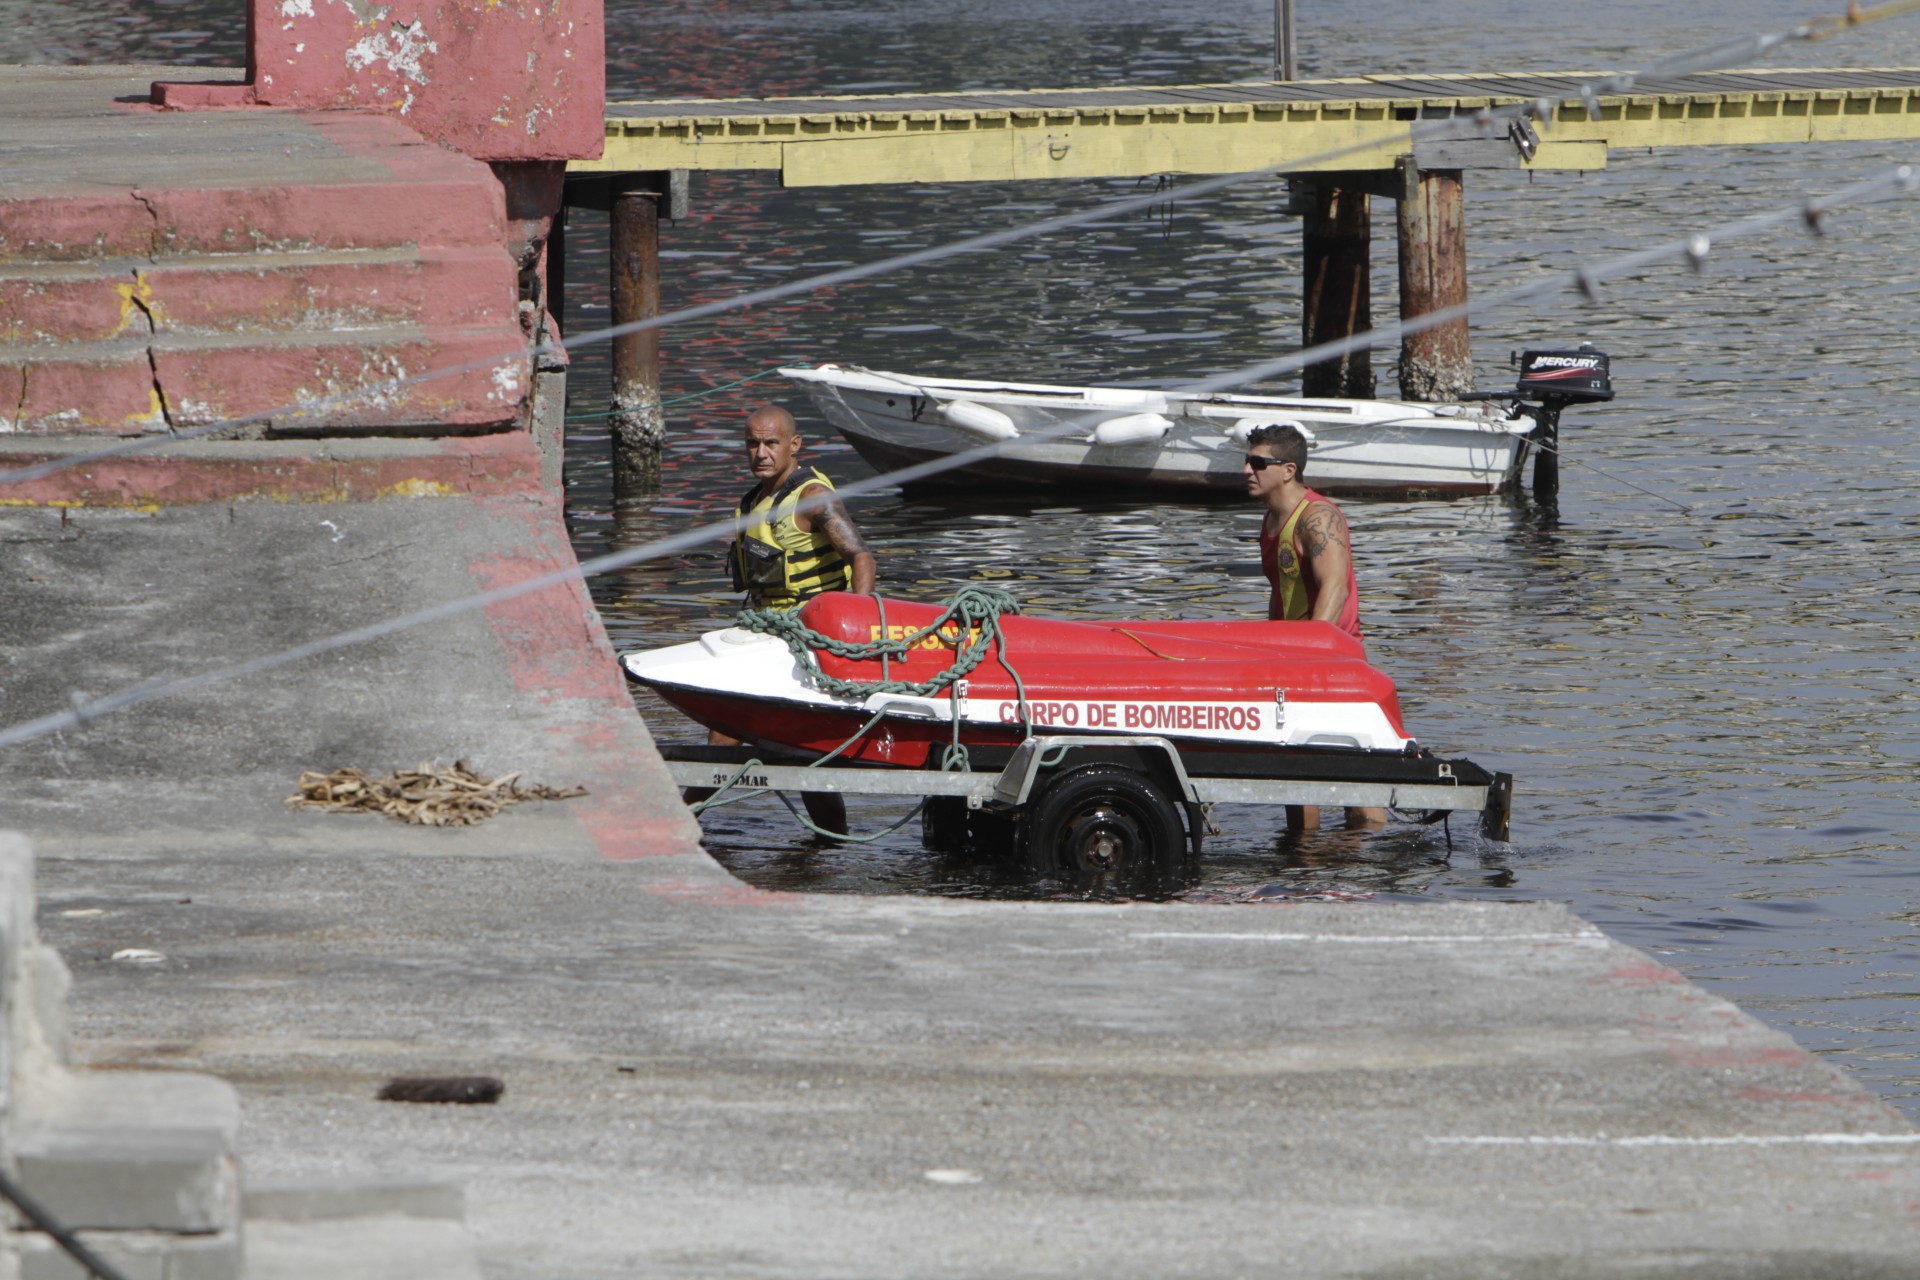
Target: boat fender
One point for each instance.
(977, 420)
(1132, 428)
(1244, 428)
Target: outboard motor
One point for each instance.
(1552, 380)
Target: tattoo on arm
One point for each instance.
(1321, 529)
(833, 520)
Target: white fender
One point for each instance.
(977, 420)
(1244, 428)
(1132, 428)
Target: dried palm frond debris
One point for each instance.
(433, 795)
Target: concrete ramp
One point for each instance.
(288, 543)
(702, 1079)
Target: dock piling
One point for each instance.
(638, 425)
(1337, 303)
(1435, 363)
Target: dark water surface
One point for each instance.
(1699, 666)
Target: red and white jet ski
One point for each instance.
(1296, 687)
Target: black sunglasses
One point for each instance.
(1259, 463)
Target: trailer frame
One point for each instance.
(1020, 787)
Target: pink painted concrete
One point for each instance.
(102, 392)
(557, 651)
(440, 288)
(495, 79)
(533, 190)
(506, 464)
(144, 385)
(206, 384)
(420, 195)
(179, 285)
(164, 306)
(549, 633)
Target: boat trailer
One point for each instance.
(1094, 804)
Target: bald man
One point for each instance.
(785, 556)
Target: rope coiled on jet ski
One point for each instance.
(976, 610)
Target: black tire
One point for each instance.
(943, 824)
(947, 825)
(1104, 820)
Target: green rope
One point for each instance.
(842, 836)
(696, 395)
(976, 610)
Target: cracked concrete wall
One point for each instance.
(500, 80)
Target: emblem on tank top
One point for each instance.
(1286, 557)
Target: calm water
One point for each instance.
(1698, 666)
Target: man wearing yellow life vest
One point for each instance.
(785, 556)
(1306, 552)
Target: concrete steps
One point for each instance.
(51, 303)
(141, 1165)
(204, 268)
(305, 381)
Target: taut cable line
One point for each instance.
(1724, 54)
(1691, 249)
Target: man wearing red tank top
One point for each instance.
(1306, 552)
(1305, 549)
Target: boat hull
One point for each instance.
(1360, 448)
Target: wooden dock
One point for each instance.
(1342, 144)
(1228, 128)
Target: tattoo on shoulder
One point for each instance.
(1320, 529)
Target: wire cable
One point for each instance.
(76, 1248)
(1724, 54)
(1900, 180)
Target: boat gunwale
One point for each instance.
(1182, 404)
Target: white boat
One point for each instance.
(1190, 445)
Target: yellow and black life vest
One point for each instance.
(775, 561)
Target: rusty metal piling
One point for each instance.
(1435, 363)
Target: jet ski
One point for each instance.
(1301, 688)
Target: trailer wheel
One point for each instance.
(943, 825)
(1103, 819)
(947, 825)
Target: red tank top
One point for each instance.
(1270, 564)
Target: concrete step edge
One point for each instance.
(116, 269)
(132, 1151)
(50, 226)
(329, 1199)
(365, 1248)
(136, 347)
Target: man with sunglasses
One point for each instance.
(1305, 549)
(1307, 554)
